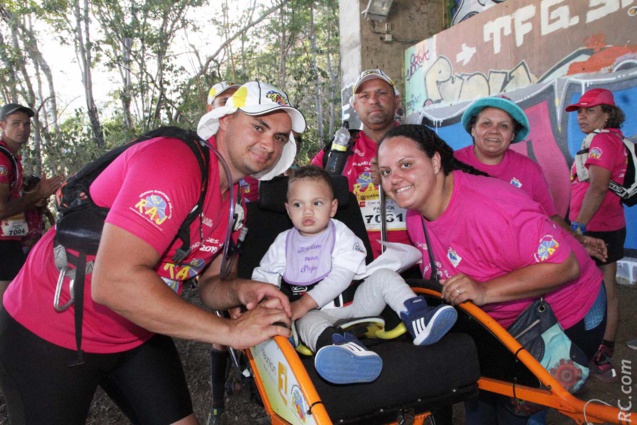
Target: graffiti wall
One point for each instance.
(462, 10)
(544, 54)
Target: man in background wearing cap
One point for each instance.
(132, 307)
(15, 123)
(220, 93)
(597, 211)
(375, 101)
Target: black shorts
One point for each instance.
(39, 387)
(614, 243)
(11, 259)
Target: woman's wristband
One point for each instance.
(579, 228)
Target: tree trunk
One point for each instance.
(334, 83)
(319, 106)
(84, 52)
(125, 74)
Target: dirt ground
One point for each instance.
(241, 410)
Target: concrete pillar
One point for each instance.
(368, 44)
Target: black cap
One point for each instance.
(12, 108)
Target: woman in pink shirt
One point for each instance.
(492, 244)
(595, 210)
(495, 123)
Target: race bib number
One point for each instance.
(395, 216)
(15, 226)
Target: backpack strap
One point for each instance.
(580, 157)
(14, 161)
(203, 158)
(79, 307)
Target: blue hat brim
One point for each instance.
(507, 106)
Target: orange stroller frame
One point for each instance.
(552, 394)
(289, 395)
(292, 393)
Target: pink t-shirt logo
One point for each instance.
(547, 247)
(595, 153)
(364, 181)
(3, 170)
(515, 182)
(186, 271)
(154, 207)
(454, 257)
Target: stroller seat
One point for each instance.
(415, 379)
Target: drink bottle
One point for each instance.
(338, 153)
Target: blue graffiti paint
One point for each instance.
(562, 126)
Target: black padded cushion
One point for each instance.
(496, 360)
(422, 377)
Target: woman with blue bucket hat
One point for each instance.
(495, 123)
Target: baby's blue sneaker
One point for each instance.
(427, 325)
(347, 361)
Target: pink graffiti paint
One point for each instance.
(547, 153)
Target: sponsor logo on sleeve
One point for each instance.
(546, 248)
(154, 206)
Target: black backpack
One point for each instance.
(80, 221)
(628, 191)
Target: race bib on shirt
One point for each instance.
(368, 197)
(395, 216)
(15, 225)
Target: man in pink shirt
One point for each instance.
(15, 123)
(132, 307)
(375, 101)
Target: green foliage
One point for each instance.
(73, 147)
(151, 85)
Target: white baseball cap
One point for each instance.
(256, 98)
(371, 74)
(220, 88)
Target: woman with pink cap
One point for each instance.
(595, 210)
